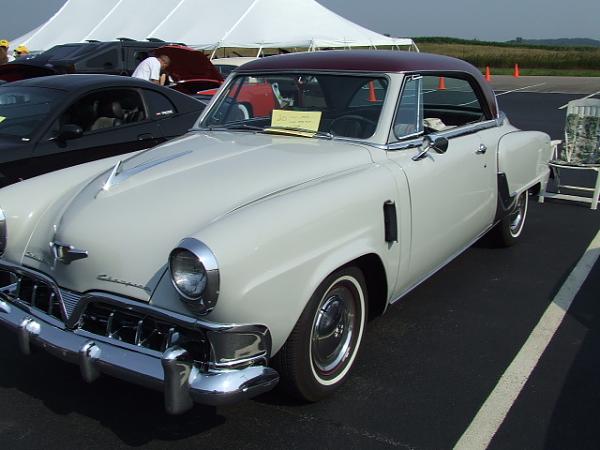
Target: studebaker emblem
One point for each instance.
(108, 278)
(35, 257)
(66, 253)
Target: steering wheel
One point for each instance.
(364, 124)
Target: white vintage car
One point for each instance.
(314, 191)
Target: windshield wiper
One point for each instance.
(236, 126)
(324, 134)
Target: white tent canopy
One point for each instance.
(205, 25)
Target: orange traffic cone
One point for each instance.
(488, 75)
(442, 84)
(372, 94)
(516, 74)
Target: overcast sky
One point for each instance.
(482, 19)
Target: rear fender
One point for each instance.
(523, 157)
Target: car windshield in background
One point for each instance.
(316, 104)
(22, 110)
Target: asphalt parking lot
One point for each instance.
(426, 367)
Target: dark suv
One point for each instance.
(112, 58)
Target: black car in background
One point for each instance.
(59, 121)
(112, 58)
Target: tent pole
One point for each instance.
(212, 55)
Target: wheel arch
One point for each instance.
(374, 272)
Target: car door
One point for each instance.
(452, 189)
(112, 122)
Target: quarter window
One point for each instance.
(159, 106)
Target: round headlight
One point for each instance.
(195, 275)
(189, 274)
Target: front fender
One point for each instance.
(274, 253)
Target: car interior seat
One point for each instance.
(110, 114)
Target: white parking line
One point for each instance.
(492, 413)
(520, 89)
(582, 98)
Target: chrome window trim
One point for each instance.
(392, 134)
(3, 232)
(448, 134)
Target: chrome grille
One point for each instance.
(70, 300)
(33, 292)
(141, 330)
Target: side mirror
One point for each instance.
(439, 144)
(69, 131)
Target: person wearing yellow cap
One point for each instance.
(4, 56)
(21, 51)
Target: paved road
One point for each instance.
(563, 85)
(427, 365)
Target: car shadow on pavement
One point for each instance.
(136, 415)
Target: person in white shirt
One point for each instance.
(149, 69)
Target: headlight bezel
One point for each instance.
(207, 300)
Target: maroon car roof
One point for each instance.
(371, 61)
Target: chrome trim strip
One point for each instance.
(448, 134)
(3, 232)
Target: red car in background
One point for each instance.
(190, 70)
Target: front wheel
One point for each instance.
(318, 355)
(509, 229)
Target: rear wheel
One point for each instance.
(317, 357)
(509, 229)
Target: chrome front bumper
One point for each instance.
(175, 371)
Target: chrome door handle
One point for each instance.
(482, 149)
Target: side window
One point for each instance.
(159, 106)
(104, 109)
(409, 115)
(449, 102)
(104, 61)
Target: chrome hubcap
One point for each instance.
(333, 330)
(516, 218)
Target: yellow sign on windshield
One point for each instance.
(2, 119)
(296, 120)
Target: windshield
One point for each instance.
(335, 105)
(23, 109)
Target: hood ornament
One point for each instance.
(110, 182)
(66, 253)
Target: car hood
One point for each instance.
(188, 64)
(163, 195)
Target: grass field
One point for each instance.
(532, 60)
